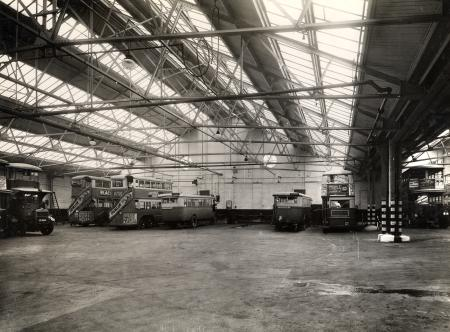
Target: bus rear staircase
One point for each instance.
(83, 200)
(123, 201)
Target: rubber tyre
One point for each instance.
(194, 222)
(7, 232)
(21, 229)
(142, 224)
(213, 220)
(47, 229)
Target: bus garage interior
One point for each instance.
(224, 165)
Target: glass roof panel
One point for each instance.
(341, 43)
(21, 142)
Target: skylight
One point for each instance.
(334, 47)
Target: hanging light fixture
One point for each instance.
(92, 142)
(128, 62)
(245, 158)
(218, 131)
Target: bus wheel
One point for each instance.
(142, 224)
(47, 229)
(213, 220)
(151, 222)
(194, 222)
(21, 229)
(8, 232)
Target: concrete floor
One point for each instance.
(223, 278)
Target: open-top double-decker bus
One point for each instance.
(338, 201)
(291, 210)
(91, 200)
(23, 200)
(187, 210)
(136, 201)
(424, 196)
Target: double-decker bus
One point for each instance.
(187, 210)
(5, 196)
(136, 201)
(291, 210)
(24, 200)
(424, 196)
(338, 201)
(91, 200)
(447, 191)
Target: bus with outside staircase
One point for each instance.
(91, 200)
(136, 201)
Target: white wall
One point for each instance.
(248, 187)
(62, 188)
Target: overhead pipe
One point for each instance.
(250, 141)
(245, 31)
(241, 95)
(251, 96)
(228, 165)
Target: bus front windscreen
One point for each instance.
(339, 204)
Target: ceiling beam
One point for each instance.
(250, 141)
(247, 31)
(270, 127)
